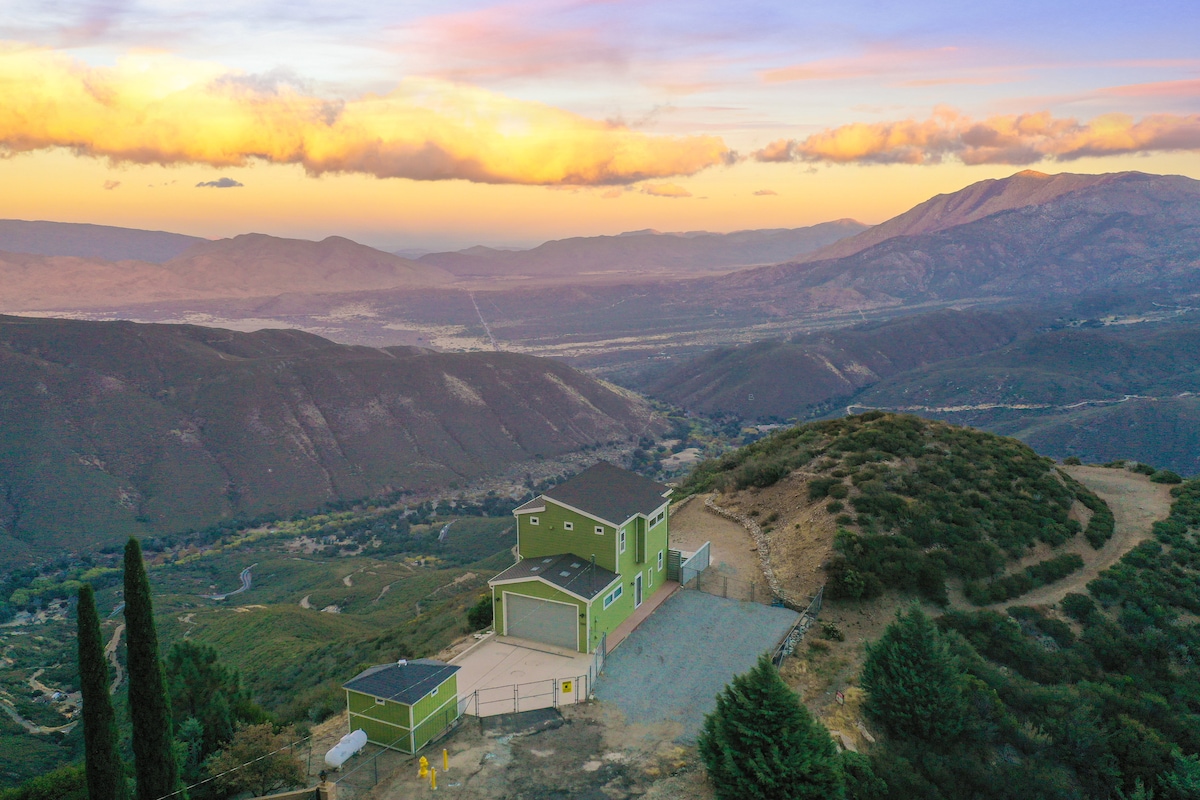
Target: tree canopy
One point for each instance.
(761, 743)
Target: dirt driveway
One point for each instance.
(1136, 504)
(731, 554)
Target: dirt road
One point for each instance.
(110, 652)
(692, 526)
(1136, 504)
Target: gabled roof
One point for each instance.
(610, 493)
(403, 683)
(567, 571)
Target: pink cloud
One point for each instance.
(1013, 139)
(665, 190)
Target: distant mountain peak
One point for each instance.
(981, 199)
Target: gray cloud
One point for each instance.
(223, 183)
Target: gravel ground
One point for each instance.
(672, 667)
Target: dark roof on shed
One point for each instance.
(610, 493)
(403, 684)
(567, 571)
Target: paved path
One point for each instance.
(672, 667)
(246, 578)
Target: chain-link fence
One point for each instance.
(713, 582)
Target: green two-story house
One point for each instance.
(590, 551)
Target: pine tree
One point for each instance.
(105, 772)
(913, 680)
(760, 742)
(149, 707)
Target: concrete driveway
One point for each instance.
(502, 675)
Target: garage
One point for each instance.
(540, 620)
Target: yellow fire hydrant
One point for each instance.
(424, 773)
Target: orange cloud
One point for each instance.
(155, 109)
(665, 190)
(1011, 139)
(766, 193)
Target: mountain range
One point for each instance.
(109, 429)
(647, 251)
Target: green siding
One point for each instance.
(431, 702)
(381, 733)
(435, 723)
(550, 538)
(545, 592)
(390, 712)
(388, 722)
(643, 543)
(655, 539)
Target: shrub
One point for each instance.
(835, 506)
(1078, 607)
(1072, 461)
(1166, 476)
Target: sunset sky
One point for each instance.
(431, 125)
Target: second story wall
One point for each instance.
(551, 536)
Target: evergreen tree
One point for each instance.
(760, 742)
(913, 680)
(205, 690)
(105, 772)
(150, 710)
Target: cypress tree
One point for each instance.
(105, 772)
(760, 742)
(913, 680)
(149, 707)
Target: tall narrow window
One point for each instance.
(660, 560)
(622, 538)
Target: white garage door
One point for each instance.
(542, 620)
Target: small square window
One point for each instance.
(379, 701)
(568, 526)
(600, 529)
(533, 520)
(434, 692)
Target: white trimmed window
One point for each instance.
(611, 597)
(568, 526)
(379, 701)
(533, 520)
(649, 577)
(434, 692)
(660, 560)
(600, 529)
(621, 536)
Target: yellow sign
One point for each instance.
(566, 686)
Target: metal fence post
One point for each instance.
(725, 588)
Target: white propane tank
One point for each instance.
(349, 744)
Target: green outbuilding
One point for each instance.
(405, 704)
(590, 551)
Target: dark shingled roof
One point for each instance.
(610, 493)
(567, 571)
(403, 684)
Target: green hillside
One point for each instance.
(918, 501)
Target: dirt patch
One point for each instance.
(800, 531)
(732, 553)
(592, 755)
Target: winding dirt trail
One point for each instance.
(110, 652)
(1136, 504)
